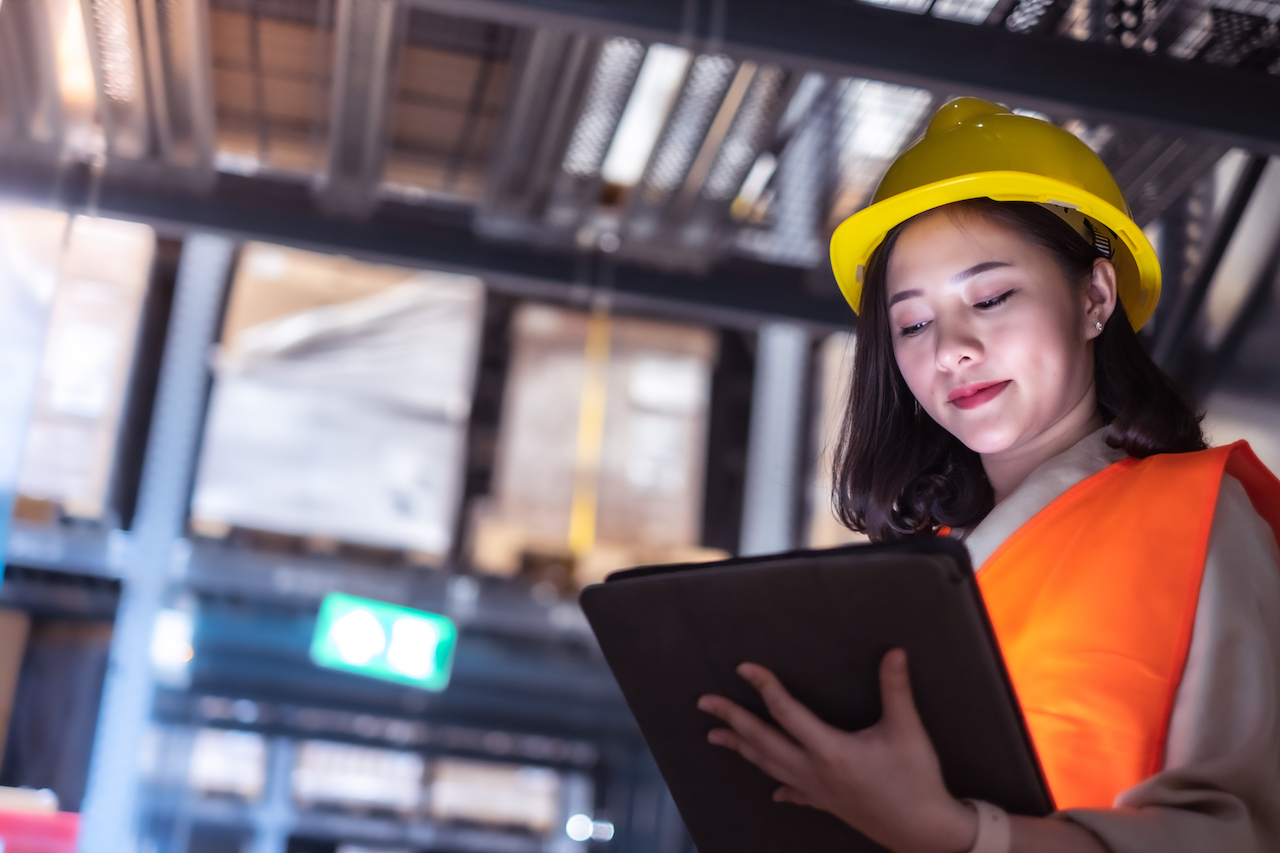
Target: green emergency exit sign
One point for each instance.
(384, 641)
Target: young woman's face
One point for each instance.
(989, 333)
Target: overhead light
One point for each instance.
(875, 121)
(579, 827)
(917, 6)
(645, 114)
(878, 116)
(754, 185)
(384, 641)
(966, 11)
(171, 646)
(75, 71)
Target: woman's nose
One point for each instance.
(958, 346)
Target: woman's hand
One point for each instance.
(884, 781)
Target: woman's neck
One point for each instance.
(1007, 469)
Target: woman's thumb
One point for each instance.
(897, 704)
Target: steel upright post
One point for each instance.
(774, 444)
(109, 819)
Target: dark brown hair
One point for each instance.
(898, 473)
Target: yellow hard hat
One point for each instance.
(977, 149)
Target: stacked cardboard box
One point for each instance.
(835, 376)
(635, 474)
(339, 774)
(340, 403)
(30, 247)
(227, 762)
(489, 793)
(88, 355)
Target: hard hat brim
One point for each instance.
(1137, 265)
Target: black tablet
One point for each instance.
(821, 620)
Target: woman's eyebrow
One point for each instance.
(978, 269)
(904, 294)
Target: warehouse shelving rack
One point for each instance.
(1161, 89)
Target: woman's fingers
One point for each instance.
(757, 741)
(788, 794)
(755, 753)
(897, 702)
(795, 718)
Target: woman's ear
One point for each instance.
(1099, 297)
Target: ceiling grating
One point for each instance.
(664, 155)
(615, 72)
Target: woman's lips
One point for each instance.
(972, 396)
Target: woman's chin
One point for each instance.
(991, 440)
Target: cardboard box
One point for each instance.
(30, 247)
(637, 471)
(14, 627)
(835, 377)
(341, 396)
(88, 356)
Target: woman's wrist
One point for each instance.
(958, 827)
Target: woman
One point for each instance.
(1132, 575)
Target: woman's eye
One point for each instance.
(908, 331)
(994, 301)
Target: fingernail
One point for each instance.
(705, 703)
(716, 737)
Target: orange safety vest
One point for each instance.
(1093, 601)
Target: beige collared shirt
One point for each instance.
(1219, 791)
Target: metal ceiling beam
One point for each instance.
(32, 116)
(738, 294)
(365, 60)
(113, 33)
(555, 69)
(1056, 74)
(180, 77)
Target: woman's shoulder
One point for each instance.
(1240, 535)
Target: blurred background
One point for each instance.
(448, 307)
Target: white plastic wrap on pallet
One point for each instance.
(30, 246)
(229, 762)
(347, 420)
(648, 484)
(486, 792)
(344, 775)
(71, 442)
(835, 378)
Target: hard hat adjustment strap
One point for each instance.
(1100, 237)
(1103, 243)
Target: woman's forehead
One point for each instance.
(940, 246)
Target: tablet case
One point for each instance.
(821, 620)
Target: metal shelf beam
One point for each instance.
(741, 294)
(1057, 74)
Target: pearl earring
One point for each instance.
(1098, 326)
